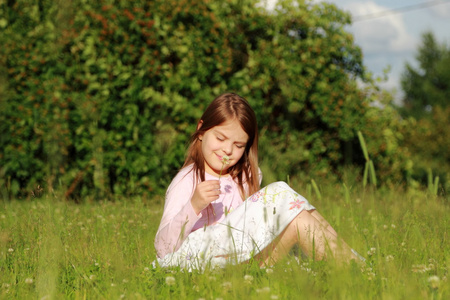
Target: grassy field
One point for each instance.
(51, 249)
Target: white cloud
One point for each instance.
(391, 39)
(385, 34)
(442, 10)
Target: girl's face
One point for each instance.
(228, 139)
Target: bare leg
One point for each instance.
(322, 221)
(314, 235)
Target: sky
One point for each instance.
(392, 39)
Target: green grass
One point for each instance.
(51, 249)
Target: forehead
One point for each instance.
(232, 129)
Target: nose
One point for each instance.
(227, 149)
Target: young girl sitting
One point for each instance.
(215, 212)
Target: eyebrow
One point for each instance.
(219, 132)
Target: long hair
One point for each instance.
(226, 107)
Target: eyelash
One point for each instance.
(221, 139)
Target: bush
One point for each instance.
(101, 97)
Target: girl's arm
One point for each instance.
(178, 218)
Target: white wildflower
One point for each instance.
(170, 280)
(226, 285)
(371, 251)
(419, 268)
(370, 275)
(225, 159)
(264, 290)
(434, 282)
(248, 278)
(389, 258)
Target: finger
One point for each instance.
(210, 186)
(212, 193)
(211, 182)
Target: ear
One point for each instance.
(199, 125)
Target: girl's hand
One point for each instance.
(205, 193)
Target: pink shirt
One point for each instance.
(179, 218)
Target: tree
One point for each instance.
(428, 85)
(101, 96)
(427, 110)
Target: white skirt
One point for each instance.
(243, 233)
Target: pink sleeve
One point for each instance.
(178, 217)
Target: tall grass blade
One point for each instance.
(435, 185)
(430, 180)
(316, 189)
(346, 194)
(363, 145)
(337, 214)
(308, 190)
(366, 173)
(373, 178)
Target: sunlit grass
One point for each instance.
(51, 249)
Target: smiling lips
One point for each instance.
(221, 157)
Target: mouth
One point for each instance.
(224, 158)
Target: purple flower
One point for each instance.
(256, 196)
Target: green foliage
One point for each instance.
(426, 109)
(101, 97)
(427, 86)
(427, 139)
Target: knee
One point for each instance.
(279, 185)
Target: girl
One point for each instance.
(215, 212)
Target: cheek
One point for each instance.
(209, 145)
(238, 154)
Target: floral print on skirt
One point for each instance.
(243, 233)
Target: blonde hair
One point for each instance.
(229, 106)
